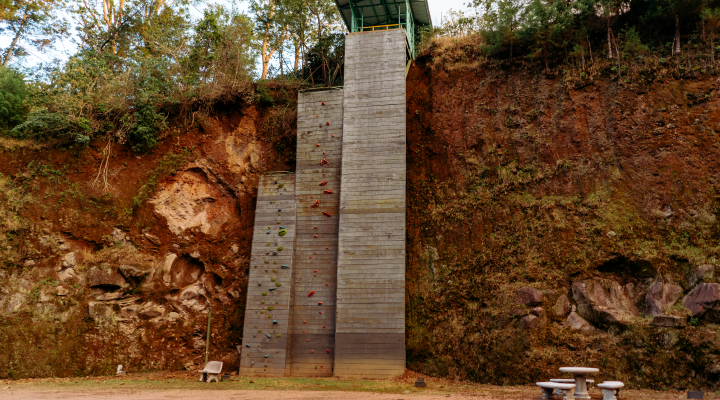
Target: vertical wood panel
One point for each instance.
(372, 209)
(275, 209)
(312, 345)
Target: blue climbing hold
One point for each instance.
(282, 227)
(259, 284)
(274, 253)
(272, 288)
(274, 321)
(267, 335)
(268, 232)
(252, 363)
(283, 266)
(247, 345)
(266, 365)
(266, 355)
(279, 210)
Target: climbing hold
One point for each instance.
(319, 303)
(247, 345)
(326, 248)
(283, 266)
(271, 308)
(312, 351)
(272, 288)
(268, 336)
(324, 161)
(266, 355)
(274, 322)
(328, 123)
(323, 326)
(323, 103)
(268, 232)
(280, 248)
(316, 204)
(312, 292)
(304, 322)
(320, 312)
(264, 294)
(312, 197)
(268, 245)
(328, 191)
(279, 210)
(311, 257)
(281, 185)
(280, 335)
(328, 350)
(315, 276)
(281, 227)
(323, 183)
(315, 270)
(274, 253)
(278, 284)
(318, 145)
(327, 213)
(333, 135)
(303, 330)
(315, 235)
(308, 340)
(252, 363)
(323, 152)
(259, 284)
(315, 227)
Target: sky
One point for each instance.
(438, 8)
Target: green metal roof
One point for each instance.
(383, 12)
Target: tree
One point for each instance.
(711, 20)
(503, 18)
(677, 10)
(271, 30)
(12, 98)
(544, 24)
(32, 20)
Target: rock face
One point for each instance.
(529, 296)
(537, 318)
(702, 273)
(132, 271)
(577, 323)
(603, 301)
(669, 321)
(151, 310)
(661, 296)
(70, 260)
(703, 298)
(562, 306)
(105, 276)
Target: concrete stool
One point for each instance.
(557, 391)
(610, 389)
(567, 389)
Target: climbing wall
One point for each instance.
(265, 335)
(370, 318)
(317, 192)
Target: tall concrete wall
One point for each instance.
(268, 299)
(370, 318)
(319, 137)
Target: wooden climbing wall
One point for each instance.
(319, 137)
(370, 317)
(265, 334)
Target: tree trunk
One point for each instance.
(609, 32)
(676, 49)
(19, 32)
(297, 56)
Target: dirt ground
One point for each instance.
(184, 385)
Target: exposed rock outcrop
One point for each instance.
(106, 276)
(603, 301)
(661, 296)
(703, 298)
(577, 323)
(529, 296)
(561, 307)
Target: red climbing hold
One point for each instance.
(324, 161)
(323, 152)
(312, 351)
(326, 284)
(323, 183)
(320, 312)
(304, 322)
(319, 303)
(323, 326)
(323, 103)
(318, 145)
(315, 270)
(333, 135)
(312, 292)
(308, 340)
(326, 248)
(328, 123)
(316, 227)
(327, 213)
(311, 257)
(316, 204)
(315, 276)
(312, 197)
(303, 330)
(328, 350)
(315, 235)
(328, 191)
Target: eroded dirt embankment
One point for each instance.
(529, 198)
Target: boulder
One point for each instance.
(29, 263)
(67, 274)
(561, 307)
(133, 271)
(151, 310)
(535, 319)
(62, 291)
(70, 260)
(669, 321)
(529, 296)
(577, 323)
(661, 296)
(100, 312)
(118, 235)
(105, 276)
(235, 248)
(603, 301)
(702, 273)
(702, 298)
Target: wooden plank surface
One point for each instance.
(268, 313)
(370, 318)
(312, 338)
